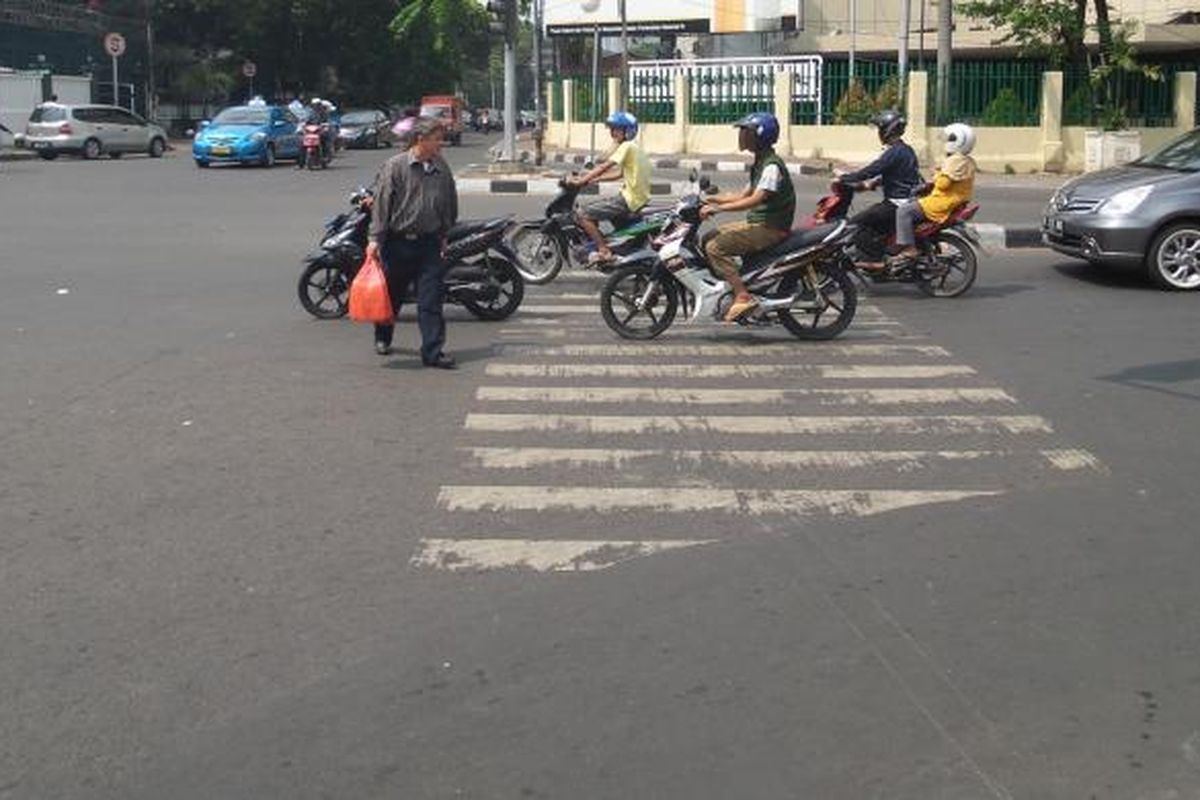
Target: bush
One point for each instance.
(888, 95)
(856, 106)
(1006, 109)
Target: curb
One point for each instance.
(1008, 237)
(17, 155)
(702, 165)
(549, 187)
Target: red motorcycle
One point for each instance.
(314, 153)
(948, 260)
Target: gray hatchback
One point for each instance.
(91, 131)
(1144, 214)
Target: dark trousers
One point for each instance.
(876, 224)
(408, 261)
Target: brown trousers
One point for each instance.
(738, 239)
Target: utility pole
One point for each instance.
(624, 99)
(506, 13)
(905, 24)
(539, 129)
(151, 90)
(944, 55)
(853, 34)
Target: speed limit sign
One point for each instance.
(114, 44)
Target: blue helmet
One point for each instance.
(764, 125)
(623, 120)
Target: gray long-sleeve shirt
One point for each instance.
(413, 198)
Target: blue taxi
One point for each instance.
(252, 134)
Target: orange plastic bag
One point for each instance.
(369, 299)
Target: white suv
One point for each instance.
(91, 131)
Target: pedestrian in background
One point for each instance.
(416, 204)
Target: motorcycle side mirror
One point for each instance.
(589, 164)
(693, 176)
(710, 189)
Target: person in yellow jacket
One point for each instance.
(953, 185)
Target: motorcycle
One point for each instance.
(544, 247)
(801, 283)
(314, 152)
(480, 275)
(947, 263)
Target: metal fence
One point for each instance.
(556, 101)
(997, 94)
(839, 98)
(581, 95)
(652, 95)
(1122, 99)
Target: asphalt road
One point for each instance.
(950, 555)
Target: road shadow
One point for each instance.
(1110, 277)
(1150, 377)
(411, 358)
(998, 290)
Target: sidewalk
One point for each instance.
(13, 154)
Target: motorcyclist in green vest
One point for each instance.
(770, 199)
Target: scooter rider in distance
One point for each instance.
(626, 163)
(771, 200)
(898, 170)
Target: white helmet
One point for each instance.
(960, 138)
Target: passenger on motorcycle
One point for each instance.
(628, 164)
(952, 187)
(770, 199)
(320, 113)
(899, 172)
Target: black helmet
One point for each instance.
(890, 124)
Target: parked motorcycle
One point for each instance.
(801, 283)
(315, 153)
(948, 262)
(545, 246)
(481, 274)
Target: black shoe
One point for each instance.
(383, 349)
(443, 361)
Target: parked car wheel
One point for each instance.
(202, 164)
(1173, 262)
(91, 149)
(115, 155)
(157, 147)
(268, 156)
(49, 155)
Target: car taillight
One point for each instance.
(65, 129)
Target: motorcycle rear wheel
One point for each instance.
(955, 262)
(839, 300)
(539, 256)
(621, 302)
(511, 290)
(324, 290)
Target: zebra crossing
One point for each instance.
(583, 451)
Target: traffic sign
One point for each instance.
(114, 44)
(249, 69)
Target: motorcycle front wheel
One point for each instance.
(510, 290)
(820, 311)
(539, 256)
(324, 290)
(636, 304)
(948, 268)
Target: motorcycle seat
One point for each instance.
(797, 239)
(470, 227)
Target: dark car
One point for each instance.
(1145, 214)
(366, 128)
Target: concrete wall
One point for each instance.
(19, 93)
(1048, 147)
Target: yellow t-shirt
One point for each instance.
(635, 173)
(953, 186)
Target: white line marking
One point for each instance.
(744, 396)
(766, 425)
(901, 460)
(555, 555)
(709, 350)
(698, 371)
(1072, 460)
(756, 502)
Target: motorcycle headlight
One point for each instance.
(1126, 201)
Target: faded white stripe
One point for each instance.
(710, 350)
(756, 502)
(1071, 460)
(765, 425)
(742, 396)
(901, 460)
(539, 555)
(699, 371)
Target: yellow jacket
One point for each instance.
(953, 186)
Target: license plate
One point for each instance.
(221, 151)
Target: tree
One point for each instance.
(448, 36)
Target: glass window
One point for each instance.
(1183, 154)
(48, 114)
(242, 116)
(121, 117)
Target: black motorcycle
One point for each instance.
(481, 272)
(544, 247)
